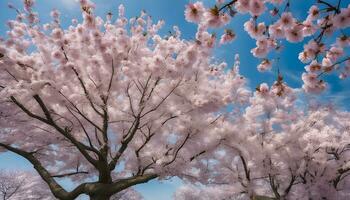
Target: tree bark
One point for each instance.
(258, 197)
(99, 197)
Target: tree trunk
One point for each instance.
(258, 197)
(99, 197)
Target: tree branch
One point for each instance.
(86, 92)
(69, 174)
(55, 188)
(49, 121)
(128, 182)
(132, 131)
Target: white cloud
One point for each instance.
(69, 4)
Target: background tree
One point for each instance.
(128, 194)
(15, 185)
(110, 104)
(279, 151)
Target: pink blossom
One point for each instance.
(287, 20)
(57, 55)
(304, 57)
(309, 28)
(334, 53)
(294, 34)
(227, 37)
(276, 31)
(313, 67)
(262, 48)
(87, 5)
(342, 20)
(265, 65)
(312, 48)
(259, 52)
(312, 84)
(255, 31)
(225, 18)
(89, 21)
(216, 19)
(33, 17)
(313, 13)
(272, 43)
(257, 7)
(57, 33)
(28, 4)
(194, 12)
(326, 62)
(263, 89)
(243, 6)
(18, 31)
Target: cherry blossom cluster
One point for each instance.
(324, 20)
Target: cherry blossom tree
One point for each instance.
(216, 192)
(273, 23)
(109, 103)
(277, 151)
(23, 185)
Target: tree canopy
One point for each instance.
(110, 103)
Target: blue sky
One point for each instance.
(172, 12)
